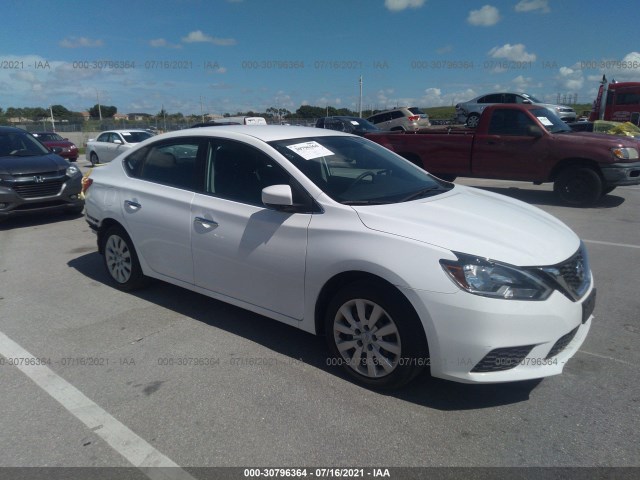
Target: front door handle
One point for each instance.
(133, 205)
(208, 224)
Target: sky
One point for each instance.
(219, 56)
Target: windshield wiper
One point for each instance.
(363, 202)
(422, 193)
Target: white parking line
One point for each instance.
(611, 244)
(132, 447)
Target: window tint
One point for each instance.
(510, 122)
(511, 98)
(238, 172)
(397, 114)
(168, 163)
(103, 137)
(493, 98)
(630, 98)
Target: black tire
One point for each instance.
(472, 120)
(578, 186)
(384, 362)
(607, 190)
(93, 158)
(121, 260)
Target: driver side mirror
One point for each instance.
(117, 141)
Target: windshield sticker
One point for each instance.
(310, 150)
(353, 122)
(545, 121)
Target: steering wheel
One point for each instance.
(359, 178)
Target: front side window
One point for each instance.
(104, 137)
(239, 172)
(356, 171)
(510, 122)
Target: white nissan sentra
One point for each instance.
(338, 236)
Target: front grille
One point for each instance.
(36, 190)
(562, 343)
(573, 276)
(502, 359)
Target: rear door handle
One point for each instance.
(133, 205)
(208, 224)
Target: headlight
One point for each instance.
(627, 153)
(72, 171)
(495, 280)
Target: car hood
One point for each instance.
(29, 165)
(58, 143)
(479, 223)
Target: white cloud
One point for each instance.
(198, 36)
(162, 43)
(487, 16)
(522, 83)
(398, 5)
(570, 79)
(79, 42)
(532, 6)
(515, 53)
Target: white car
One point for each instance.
(108, 145)
(336, 235)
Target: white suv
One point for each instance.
(408, 119)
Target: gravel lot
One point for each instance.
(259, 393)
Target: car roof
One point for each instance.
(266, 133)
(126, 130)
(12, 130)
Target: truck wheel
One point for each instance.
(375, 335)
(578, 186)
(473, 120)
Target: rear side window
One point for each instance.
(397, 114)
(173, 163)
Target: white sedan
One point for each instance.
(108, 145)
(338, 236)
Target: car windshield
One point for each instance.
(20, 145)
(362, 124)
(532, 98)
(135, 137)
(48, 137)
(356, 171)
(550, 120)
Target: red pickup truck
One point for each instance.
(523, 142)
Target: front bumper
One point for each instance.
(474, 339)
(52, 194)
(620, 174)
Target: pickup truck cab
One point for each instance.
(527, 143)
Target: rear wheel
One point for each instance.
(93, 158)
(375, 335)
(578, 186)
(121, 260)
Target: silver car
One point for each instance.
(469, 112)
(401, 118)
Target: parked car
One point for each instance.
(402, 118)
(525, 143)
(355, 125)
(213, 124)
(112, 143)
(469, 112)
(67, 150)
(33, 178)
(336, 235)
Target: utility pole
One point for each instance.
(99, 109)
(201, 110)
(53, 125)
(360, 104)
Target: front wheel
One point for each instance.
(473, 120)
(121, 260)
(578, 186)
(375, 335)
(93, 158)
